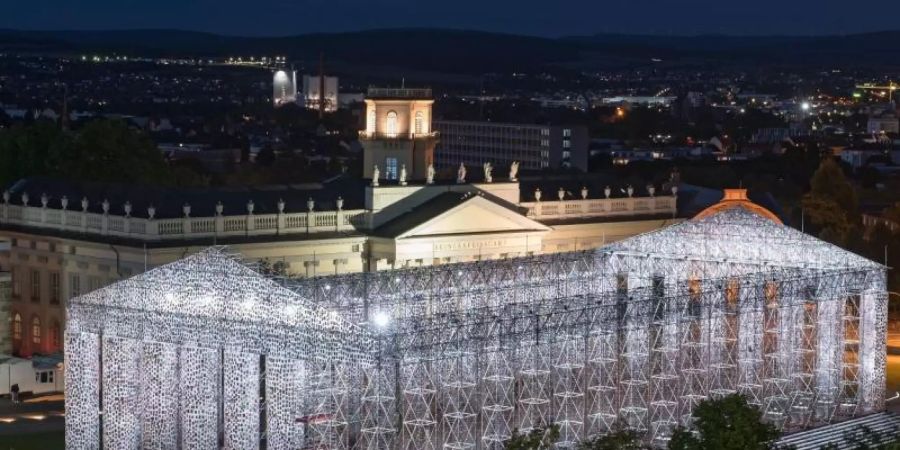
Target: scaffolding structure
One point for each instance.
(635, 334)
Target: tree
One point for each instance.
(103, 150)
(537, 439)
(728, 423)
(831, 203)
(109, 151)
(617, 440)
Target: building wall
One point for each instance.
(536, 147)
(84, 266)
(405, 139)
(5, 331)
(585, 236)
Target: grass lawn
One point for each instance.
(52, 440)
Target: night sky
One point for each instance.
(533, 17)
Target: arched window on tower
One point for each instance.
(36, 330)
(17, 327)
(420, 122)
(370, 121)
(390, 125)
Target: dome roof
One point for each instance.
(734, 198)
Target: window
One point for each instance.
(44, 376)
(17, 327)
(370, 121)
(36, 330)
(74, 285)
(54, 288)
(390, 168)
(16, 288)
(545, 132)
(567, 132)
(420, 122)
(567, 144)
(545, 142)
(35, 285)
(390, 125)
(94, 283)
(55, 335)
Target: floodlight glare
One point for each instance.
(381, 319)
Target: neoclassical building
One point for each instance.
(66, 239)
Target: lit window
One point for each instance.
(370, 121)
(567, 143)
(732, 292)
(567, 132)
(390, 169)
(36, 330)
(35, 285)
(17, 327)
(545, 142)
(390, 125)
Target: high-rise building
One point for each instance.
(312, 92)
(535, 147)
(398, 133)
(284, 88)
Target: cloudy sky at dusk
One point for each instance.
(545, 18)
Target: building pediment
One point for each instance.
(454, 213)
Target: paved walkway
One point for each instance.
(32, 415)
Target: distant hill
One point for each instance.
(458, 51)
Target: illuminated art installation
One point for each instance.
(205, 352)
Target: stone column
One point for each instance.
(199, 371)
(240, 375)
(122, 401)
(872, 338)
(286, 391)
(82, 391)
(159, 395)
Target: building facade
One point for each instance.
(535, 147)
(6, 347)
(284, 88)
(207, 353)
(398, 136)
(55, 253)
(313, 93)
